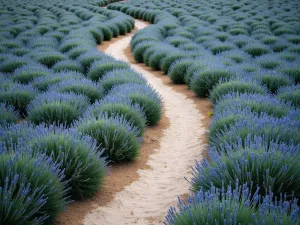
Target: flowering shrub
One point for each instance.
(271, 167)
(203, 81)
(232, 206)
(120, 76)
(83, 86)
(18, 95)
(233, 86)
(57, 108)
(121, 106)
(290, 94)
(114, 134)
(68, 65)
(77, 156)
(99, 68)
(27, 73)
(145, 97)
(8, 114)
(31, 188)
(179, 69)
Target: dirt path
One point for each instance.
(146, 200)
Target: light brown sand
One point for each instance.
(146, 200)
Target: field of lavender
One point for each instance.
(67, 110)
(243, 56)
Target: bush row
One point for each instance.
(243, 56)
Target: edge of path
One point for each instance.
(76, 211)
(146, 200)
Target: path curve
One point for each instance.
(146, 201)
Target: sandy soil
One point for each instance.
(146, 200)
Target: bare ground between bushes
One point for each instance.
(140, 192)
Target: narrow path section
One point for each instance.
(146, 201)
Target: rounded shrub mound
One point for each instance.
(121, 106)
(76, 52)
(273, 80)
(257, 103)
(271, 169)
(89, 57)
(74, 42)
(27, 73)
(170, 59)
(145, 97)
(239, 86)
(232, 206)
(202, 82)
(115, 135)
(99, 68)
(49, 58)
(11, 63)
(12, 135)
(139, 50)
(196, 67)
(293, 71)
(82, 86)
(179, 69)
(290, 94)
(224, 118)
(147, 54)
(107, 32)
(206, 207)
(18, 95)
(8, 114)
(156, 58)
(43, 83)
(221, 47)
(121, 76)
(32, 190)
(57, 108)
(43, 41)
(287, 56)
(237, 56)
(68, 65)
(280, 46)
(268, 62)
(177, 40)
(77, 155)
(285, 130)
(256, 49)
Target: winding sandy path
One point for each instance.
(146, 201)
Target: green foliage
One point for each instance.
(8, 114)
(114, 134)
(179, 69)
(274, 82)
(203, 82)
(56, 108)
(18, 96)
(99, 68)
(31, 189)
(256, 50)
(77, 156)
(68, 65)
(235, 86)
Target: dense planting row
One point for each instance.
(244, 56)
(66, 110)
